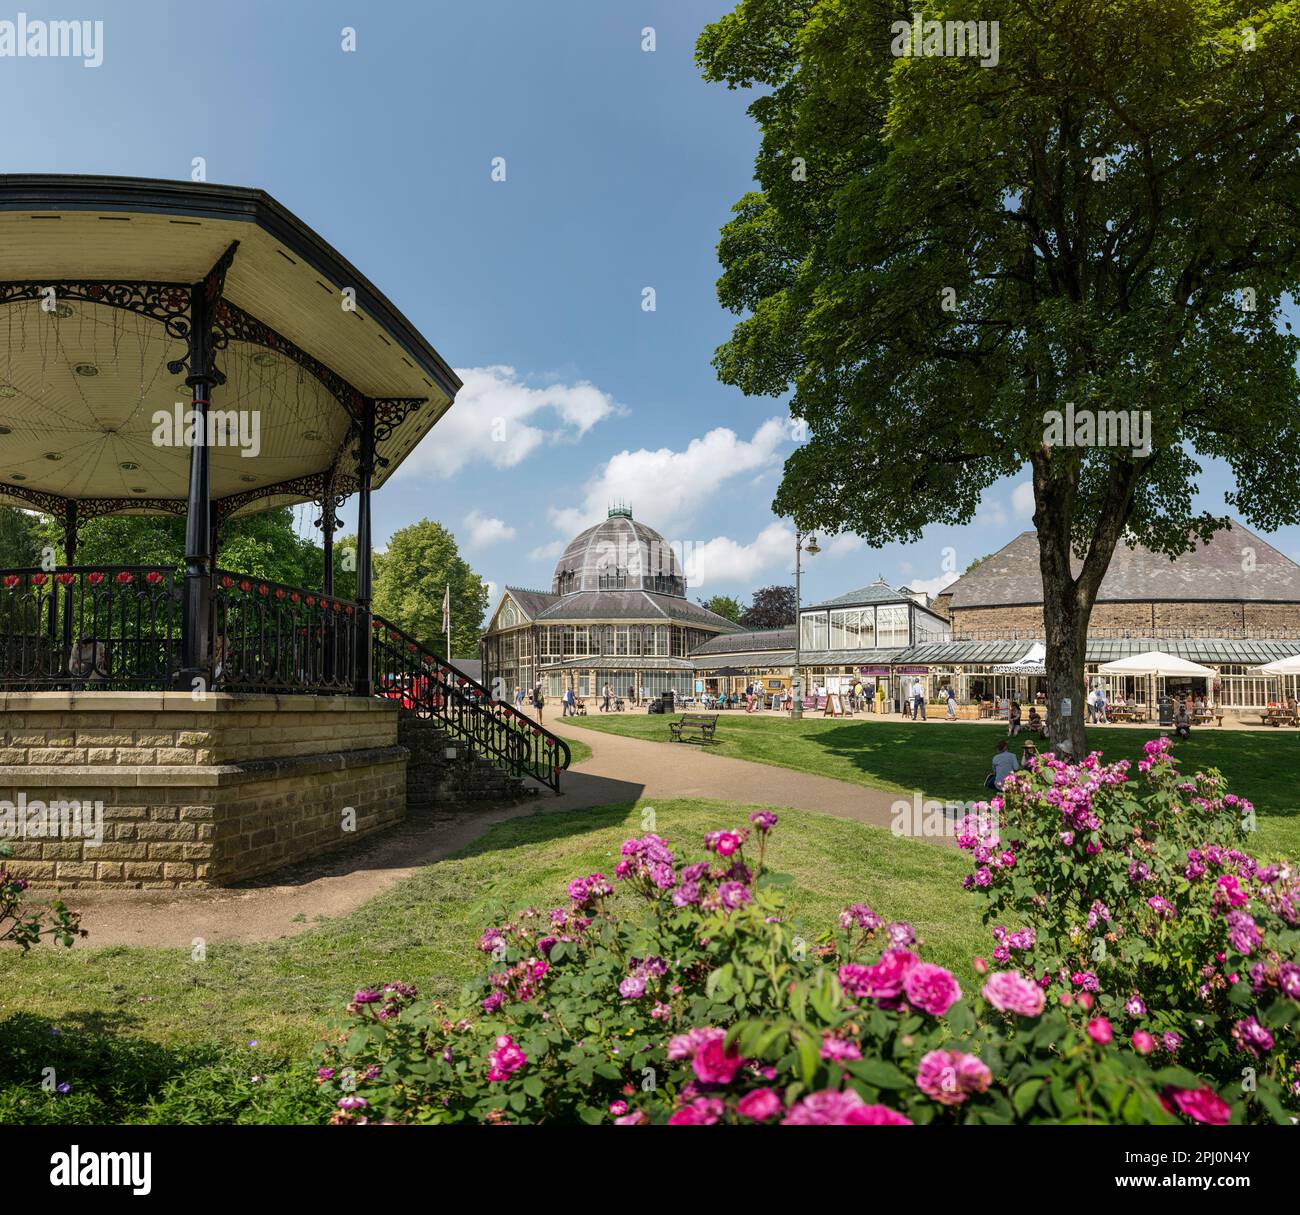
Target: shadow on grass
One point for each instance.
(92, 1068)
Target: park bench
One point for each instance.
(699, 727)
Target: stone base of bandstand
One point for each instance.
(194, 793)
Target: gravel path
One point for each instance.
(287, 902)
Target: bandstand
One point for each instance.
(196, 350)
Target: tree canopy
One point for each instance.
(944, 258)
(772, 607)
(419, 562)
(726, 606)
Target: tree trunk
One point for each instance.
(1067, 599)
(1067, 637)
(1065, 612)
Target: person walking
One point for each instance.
(519, 697)
(952, 703)
(539, 701)
(605, 694)
(880, 699)
(567, 703)
(918, 700)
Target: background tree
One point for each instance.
(20, 539)
(726, 606)
(419, 562)
(771, 607)
(942, 255)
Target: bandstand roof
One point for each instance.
(82, 373)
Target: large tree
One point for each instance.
(726, 606)
(944, 259)
(771, 607)
(420, 561)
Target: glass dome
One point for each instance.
(619, 554)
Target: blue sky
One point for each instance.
(621, 166)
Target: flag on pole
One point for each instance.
(446, 616)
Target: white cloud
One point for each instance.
(673, 485)
(722, 559)
(1022, 499)
(843, 545)
(499, 419)
(484, 530)
(547, 552)
(932, 586)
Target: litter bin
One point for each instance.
(666, 703)
(1166, 711)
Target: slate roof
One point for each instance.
(992, 653)
(761, 639)
(1213, 572)
(630, 605)
(533, 603)
(878, 592)
(617, 542)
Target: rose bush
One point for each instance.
(25, 928)
(679, 993)
(1137, 889)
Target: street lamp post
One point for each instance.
(812, 548)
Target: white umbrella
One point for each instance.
(1283, 666)
(1155, 662)
(1029, 663)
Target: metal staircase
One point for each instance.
(432, 688)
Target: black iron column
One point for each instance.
(365, 469)
(196, 619)
(69, 559)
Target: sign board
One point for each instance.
(834, 705)
(699, 685)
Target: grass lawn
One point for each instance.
(578, 750)
(129, 1026)
(950, 762)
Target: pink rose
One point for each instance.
(1199, 1104)
(1008, 991)
(760, 1105)
(931, 988)
(1099, 1030)
(713, 1064)
(703, 1111)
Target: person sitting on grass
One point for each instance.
(1004, 764)
(1182, 722)
(1035, 722)
(1013, 719)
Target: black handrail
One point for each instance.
(430, 687)
(271, 637)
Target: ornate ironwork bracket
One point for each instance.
(312, 487)
(236, 325)
(168, 303)
(200, 363)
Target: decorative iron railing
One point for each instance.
(104, 627)
(430, 687)
(268, 637)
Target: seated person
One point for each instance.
(1004, 764)
(1035, 722)
(1182, 722)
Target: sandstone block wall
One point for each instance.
(198, 792)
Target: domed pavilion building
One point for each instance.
(616, 613)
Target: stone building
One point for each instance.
(616, 614)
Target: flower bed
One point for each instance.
(678, 992)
